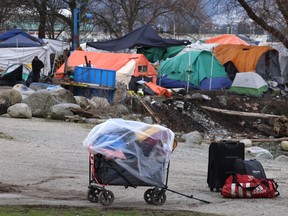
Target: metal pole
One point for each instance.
(189, 71)
(76, 25)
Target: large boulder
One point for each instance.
(4, 104)
(13, 96)
(40, 103)
(81, 101)
(61, 111)
(63, 96)
(101, 103)
(24, 90)
(259, 153)
(20, 110)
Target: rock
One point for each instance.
(91, 104)
(197, 96)
(179, 104)
(282, 158)
(64, 96)
(61, 111)
(12, 95)
(223, 100)
(147, 99)
(94, 121)
(284, 145)
(24, 90)
(247, 142)
(121, 109)
(4, 104)
(148, 120)
(81, 101)
(40, 103)
(259, 153)
(101, 103)
(20, 110)
(193, 137)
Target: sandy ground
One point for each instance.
(45, 163)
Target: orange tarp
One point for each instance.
(158, 89)
(245, 58)
(108, 61)
(226, 39)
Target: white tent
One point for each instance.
(25, 55)
(249, 83)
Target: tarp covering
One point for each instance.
(19, 38)
(124, 64)
(13, 77)
(283, 58)
(145, 36)
(158, 89)
(26, 70)
(231, 39)
(172, 83)
(249, 83)
(200, 64)
(260, 59)
(142, 149)
(154, 54)
(25, 55)
(17, 46)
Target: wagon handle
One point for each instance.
(191, 196)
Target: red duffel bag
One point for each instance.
(247, 186)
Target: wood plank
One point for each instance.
(239, 113)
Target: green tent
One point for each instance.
(192, 66)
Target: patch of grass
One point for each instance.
(87, 211)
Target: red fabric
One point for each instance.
(247, 186)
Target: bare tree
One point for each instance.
(119, 17)
(7, 9)
(271, 15)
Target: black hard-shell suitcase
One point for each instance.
(222, 156)
(249, 167)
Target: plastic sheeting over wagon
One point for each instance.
(142, 149)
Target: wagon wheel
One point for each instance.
(148, 196)
(106, 197)
(158, 197)
(92, 195)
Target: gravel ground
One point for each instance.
(44, 163)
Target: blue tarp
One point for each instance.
(145, 36)
(19, 38)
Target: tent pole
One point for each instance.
(212, 62)
(189, 71)
(17, 49)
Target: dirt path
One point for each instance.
(43, 162)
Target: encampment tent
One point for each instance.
(249, 83)
(18, 38)
(260, 59)
(17, 46)
(283, 58)
(231, 39)
(15, 74)
(147, 40)
(193, 68)
(125, 65)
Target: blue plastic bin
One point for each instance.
(101, 77)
